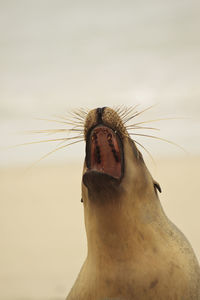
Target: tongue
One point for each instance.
(105, 152)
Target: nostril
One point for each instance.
(100, 111)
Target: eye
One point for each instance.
(157, 186)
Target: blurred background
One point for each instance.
(60, 55)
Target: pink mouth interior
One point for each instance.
(105, 152)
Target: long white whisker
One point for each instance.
(129, 113)
(157, 120)
(141, 127)
(159, 138)
(47, 141)
(125, 113)
(77, 115)
(69, 120)
(51, 152)
(52, 131)
(146, 151)
(61, 122)
(139, 113)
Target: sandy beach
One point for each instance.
(43, 242)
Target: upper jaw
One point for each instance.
(104, 157)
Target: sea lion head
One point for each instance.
(114, 167)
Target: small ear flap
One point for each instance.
(157, 186)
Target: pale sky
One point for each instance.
(57, 55)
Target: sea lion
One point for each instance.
(134, 250)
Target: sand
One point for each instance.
(43, 242)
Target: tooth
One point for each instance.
(109, 137)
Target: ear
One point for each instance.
(157, 186)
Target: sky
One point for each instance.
(61, 55)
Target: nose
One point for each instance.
(100, 111)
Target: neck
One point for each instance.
(117, 229)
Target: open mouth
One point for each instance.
(104, 152)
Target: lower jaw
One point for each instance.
(93, 178)
(102, 188)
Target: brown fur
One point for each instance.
(134, 251)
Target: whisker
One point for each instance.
(139, 113)
(117, 108)
(76, 119)
(53, 151)
(47, 141)
(52, 131)
(157, 120)
(127, 111)
(84, 111)
(81, 110)
(159, 138)
(61, 122)
(146, 151)
(68, 119)
(120, 109)
(141, 127)
(77, 115)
